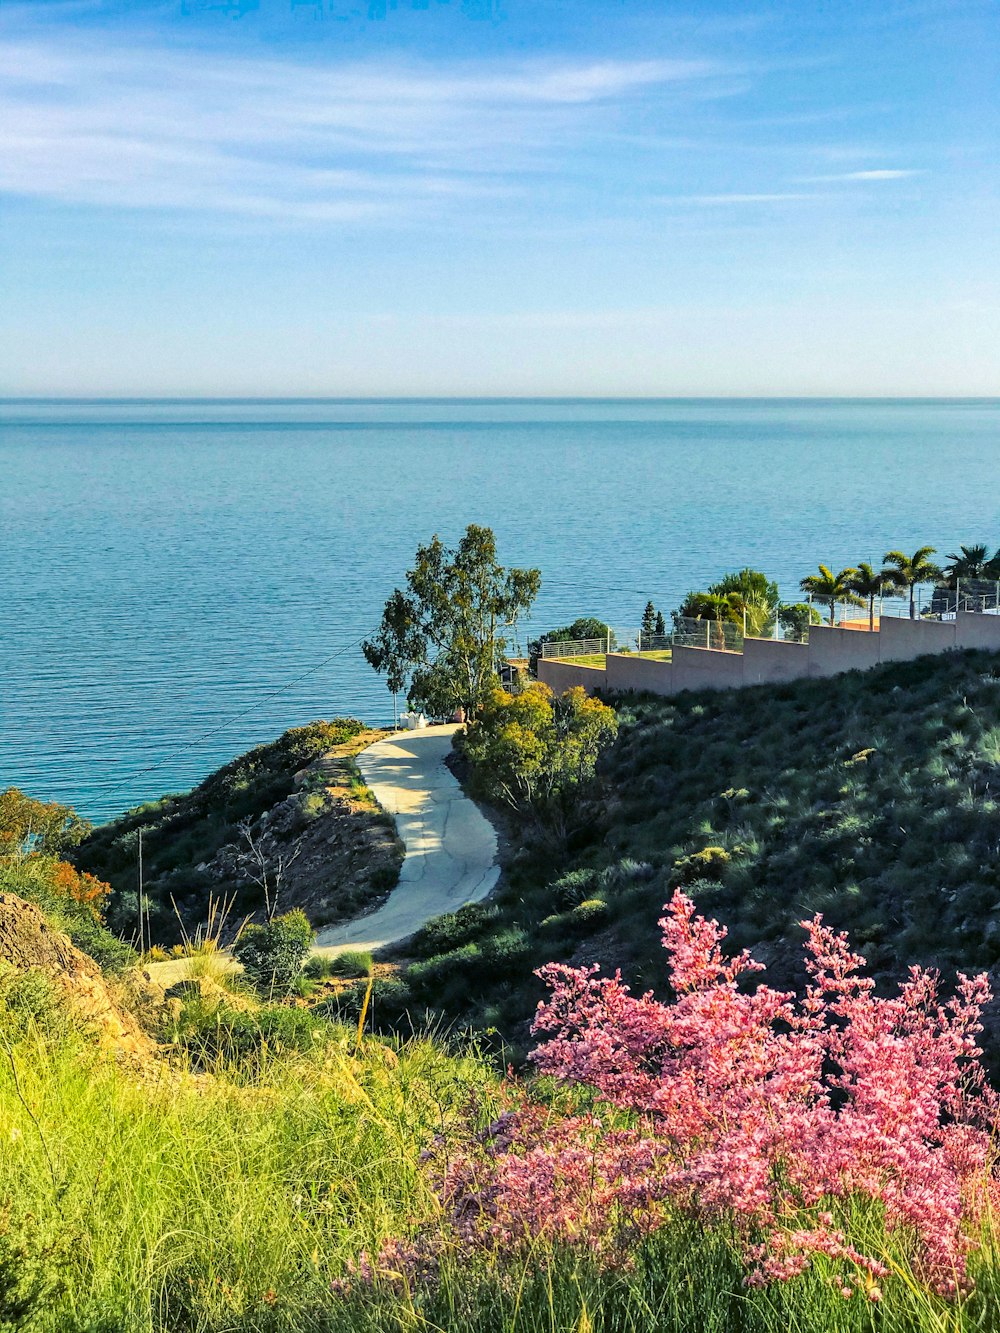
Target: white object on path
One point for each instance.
(451, 848)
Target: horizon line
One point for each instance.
(501, 398)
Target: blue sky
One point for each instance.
(526, 197)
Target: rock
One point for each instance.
(28, 941)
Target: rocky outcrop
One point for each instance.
(28, 942)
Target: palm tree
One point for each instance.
(832, 588)
(871, 583)
(972, 563)
(909, 570)
(712, 606)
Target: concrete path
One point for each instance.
(451, 848)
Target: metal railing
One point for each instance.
(575, 648)
(930, 602)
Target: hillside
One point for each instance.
(873, 798)
(290, 820)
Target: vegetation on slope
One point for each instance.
(288, 824)
(872, 797)
(269, 1171)
(35, 837)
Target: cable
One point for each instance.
(174, 754)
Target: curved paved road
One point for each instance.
(451, 848)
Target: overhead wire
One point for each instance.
(237, 717)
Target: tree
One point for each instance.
(582, 629)
(648, 625)
(27, 825)
(710, 606)
(272, 955)
(660, 627)
(831, 588)
(909, 570)
(747, 598)
(445, 634)
(796, 618)
(971, 563)
(531, 751)
(870, 583)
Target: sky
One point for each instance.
(499, 197)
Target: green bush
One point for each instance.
(431, 977)
(391, 1005)
(26, 1000)
(589, 911)
(706, 864)
(350, 963)
(453, 929)
(272, 954)
(569, 890)
(240, 1042)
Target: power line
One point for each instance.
(238, 717)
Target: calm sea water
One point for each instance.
(181, 580)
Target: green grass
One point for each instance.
(348, 963)
(230, 1202)
(234, 1203)
(211, 1204)
(600, 659)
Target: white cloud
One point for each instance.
(722, 199)
(876, 174)
(880, 175)
(163, 127)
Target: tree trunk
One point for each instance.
(833, 613)
(913, 601)
(871, 613)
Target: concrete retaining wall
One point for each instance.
(903, 640)
(767, 661)
(627, 672)
(834, 650)
(830, 651)
(977, 629)
(560, 676)
(706, 669)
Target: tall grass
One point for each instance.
(174, 1202)
(163, 1202)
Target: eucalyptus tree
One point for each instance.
(832, 589)
(444, 635)
(911, 570)
(870, 583)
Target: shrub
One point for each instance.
(272, 954)
(569, 890)
(26, 1000)
(220, 1039)
(452, 929)
(706, 864)
(349, 963)
(787, 1122)
(588, 912)
(389, 1005)
(430, 976)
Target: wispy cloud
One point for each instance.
(876, 174)
(168, 128)
(778, 197)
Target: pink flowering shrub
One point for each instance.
(741, 1106)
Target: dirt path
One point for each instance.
(451, 848)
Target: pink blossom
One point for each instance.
(744, 1105)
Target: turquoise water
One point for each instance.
(175, 573)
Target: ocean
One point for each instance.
(184, 579)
